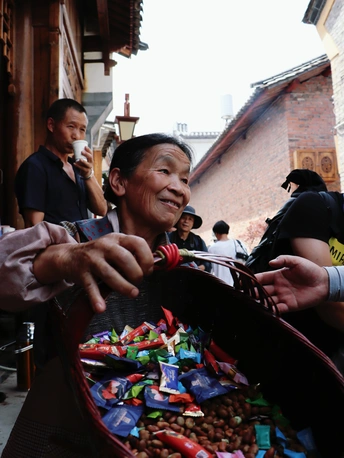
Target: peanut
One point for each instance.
(189, 422)
(156, 443)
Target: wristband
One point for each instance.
(89, 176)
(335, 283)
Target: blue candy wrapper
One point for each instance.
(112, 384)
(201, 384)
(155, 399)
(169, 378)
(121, 420)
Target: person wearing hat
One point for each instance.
(184, 238)
(306, 180)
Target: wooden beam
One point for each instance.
(104, 31)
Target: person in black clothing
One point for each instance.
(184, 238)
(309, 230)
(304, 180)
(50, 185)
(312, 227)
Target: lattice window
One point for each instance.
(322, 161)
(6, 33)
(72, 78)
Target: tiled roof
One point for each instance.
(293, 72)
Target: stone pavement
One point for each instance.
(11, 401)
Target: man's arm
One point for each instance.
(95, 195)
(97, 203)
(32, 217)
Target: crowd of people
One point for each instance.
(148, 188)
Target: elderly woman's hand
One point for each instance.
(121, 261)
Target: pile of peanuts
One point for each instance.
(228, 425)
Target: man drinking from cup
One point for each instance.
(52, 186)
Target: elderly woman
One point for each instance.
(148, 183)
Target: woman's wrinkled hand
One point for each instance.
(120, 261)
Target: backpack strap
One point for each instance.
(243, 254)
(282, 211)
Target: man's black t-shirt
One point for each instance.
(41, 184)
(309, 217)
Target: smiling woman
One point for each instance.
(148, 183)
(150, 186)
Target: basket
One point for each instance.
(292, 372)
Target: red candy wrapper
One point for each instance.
(134, 378)
(185, 398)
(210, 362)
(139, 331)
(221, 355)
(182, 444)
(97, 351)
(193, 410)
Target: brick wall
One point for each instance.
(243, 187)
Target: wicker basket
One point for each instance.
(292, 372)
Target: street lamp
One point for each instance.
(126, 124)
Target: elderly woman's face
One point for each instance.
(157, 192)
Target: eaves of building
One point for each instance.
(112, 26)
(313, 11)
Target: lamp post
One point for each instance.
(126, 124)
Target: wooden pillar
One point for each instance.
(97, 164)
(21, 105)
(47, 34)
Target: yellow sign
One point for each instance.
(336, 251)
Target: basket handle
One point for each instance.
(168, 257)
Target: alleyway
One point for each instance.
(11, 401)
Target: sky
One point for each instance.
(202, 50)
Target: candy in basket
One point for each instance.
(278, 362)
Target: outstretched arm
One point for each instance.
(297, 284)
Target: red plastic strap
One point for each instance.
(172, 256)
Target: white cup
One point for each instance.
(78, 146)
(6, 229)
